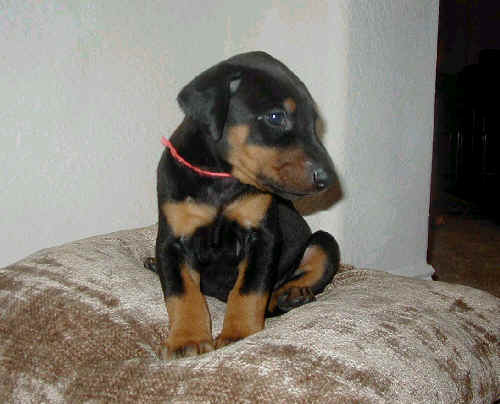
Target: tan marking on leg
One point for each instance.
(313, 265)
(185, 217)
(190, 326)
(290, 105)
(286, 167)
(249, 210)
(244, 313)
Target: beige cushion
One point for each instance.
(83, 322)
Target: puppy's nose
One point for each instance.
(321, 178)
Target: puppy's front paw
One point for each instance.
(223, 340)
(176, 348)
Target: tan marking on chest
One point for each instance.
(187, 216)
(249, 210)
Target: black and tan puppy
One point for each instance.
(227, 228)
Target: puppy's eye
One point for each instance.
(276, 118)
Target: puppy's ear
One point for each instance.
(206, 98)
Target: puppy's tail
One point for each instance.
(150, 263)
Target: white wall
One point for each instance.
(392, 59)
(370, 65)
(88, 87)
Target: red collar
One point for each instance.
(197, 170)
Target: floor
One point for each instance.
(464, 248)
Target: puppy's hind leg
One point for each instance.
(319, 263)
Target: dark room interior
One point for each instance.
(464, 230)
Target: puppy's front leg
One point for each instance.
(190, 330)
(245, 311)
(247, 301)
(190, 326)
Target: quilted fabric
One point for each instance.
(83, 322)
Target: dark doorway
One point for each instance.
(465, 196)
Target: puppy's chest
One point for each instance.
(186, 216)
(212, 233)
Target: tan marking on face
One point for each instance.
(244, 157)
(291, 170)
(244, 313)
(249, 210)
(290, 105)
(188, 315)
(187, 216)
(285, 167)
(313, 266)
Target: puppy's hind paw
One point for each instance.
(295, 297)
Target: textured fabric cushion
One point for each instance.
(83, 322)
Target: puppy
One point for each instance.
(227, 228)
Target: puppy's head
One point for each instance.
(262, 121)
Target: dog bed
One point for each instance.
(83, 322)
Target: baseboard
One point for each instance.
(422, 271)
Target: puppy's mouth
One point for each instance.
(279, 190)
